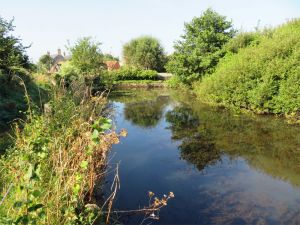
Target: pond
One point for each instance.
(224, 168)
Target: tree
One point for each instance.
(13, 59)
(200, 49)
(45, 63)
(87, 57)
(144, 52)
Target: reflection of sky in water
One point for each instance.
(235, 189)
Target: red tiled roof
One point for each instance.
(112, 65)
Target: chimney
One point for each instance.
(59, 51)
(48, 53)
(64, 54)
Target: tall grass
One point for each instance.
(263, 76)
(48, 176)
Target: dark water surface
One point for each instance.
(223, 168)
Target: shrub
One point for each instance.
(175, 82)
(68, 72)
(133, 73)
(263, 77)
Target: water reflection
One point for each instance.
(145, 113)
(197, 145)
(223, 168)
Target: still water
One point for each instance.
(223, 168)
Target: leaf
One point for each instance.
(95, 134)
(36, 193)
(105, 126)
(76, 189)
(35, 207)
(30, 172)
(84, 165)
(18, 204)
(22, 219)
(96, 125)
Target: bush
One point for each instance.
(175, 82)
(242, 40)
(264, 77)
(68, 72)
(133, 73)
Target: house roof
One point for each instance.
(112, 64)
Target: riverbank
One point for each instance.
(49, 174)
(140, 84)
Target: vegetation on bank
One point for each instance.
(132, 73)
(263, 75)
(59, 149)
(258, 71)
(49, 174)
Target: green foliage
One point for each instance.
(87, 57)
(68, 72)
(200, 49)
(44, 64)
(86, 65)
(176, 83)
(12, 98)
(145, 52)
(242, 40)
(52, 167)
(13, 59)
(262, 77)
(133, 73)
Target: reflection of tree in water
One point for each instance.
(197, 144)
(145, 113)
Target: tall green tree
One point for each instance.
(87, 57)
(144, 52)
(13, 59)
(200, 48)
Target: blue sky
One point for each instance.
(47, 25)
